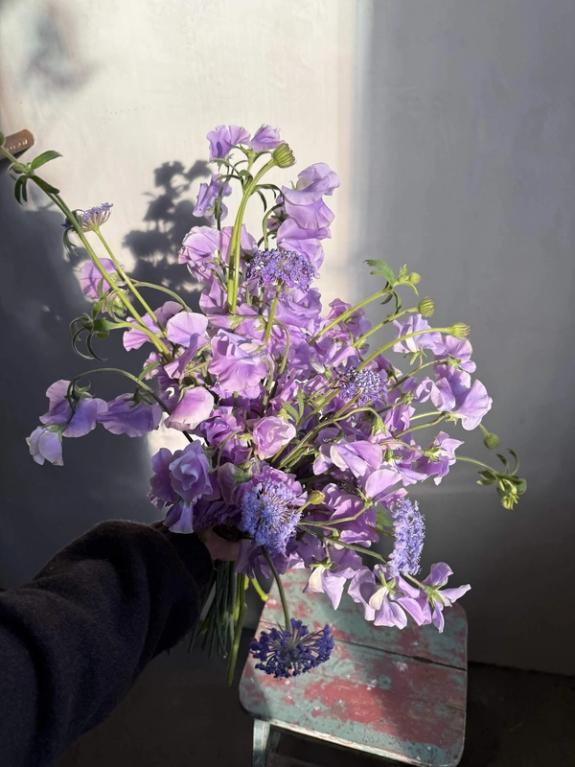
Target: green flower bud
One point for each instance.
(315, 498)
(426, 307)
(415, 278)
(460, 330)
(491, 440)
(283, 156)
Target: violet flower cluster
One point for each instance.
(309, 427)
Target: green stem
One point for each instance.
(349, 312)
(272, 314)
(441, 418)
(162, 289)
(362, 339)
(241, 585)
(405, 337)
(125, 277)
(264, 596)
(235, 240)
(281, 591)
(475, 462)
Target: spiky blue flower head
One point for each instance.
(285, 267)
(365, 385)
(271, 505)
(409, 534)
(93, 218)
(289, 652)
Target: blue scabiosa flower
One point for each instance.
(409, 534)
(289, 652)
(270, 267)
(365, 385)
(93, 218)
(271, 507)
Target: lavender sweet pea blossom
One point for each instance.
(92, 283)
(45, 444)
(77, 421)
(239, 366)
(195, 406)
(455, 393)
(224, 137)
(208, 195)
(330, 579)
(435, 597)
(181, 476)
(270, 434)
(265, 139)
(386, 600)
(135, 338)
(126, 416)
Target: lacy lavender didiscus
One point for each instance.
(305, 436)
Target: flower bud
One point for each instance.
(426, 307)
(315, 498)
(415, 278)
(490, 440)
(460, 330)
(283, 156)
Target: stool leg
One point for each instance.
(260, 746)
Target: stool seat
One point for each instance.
(400, 695)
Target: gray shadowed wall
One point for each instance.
(468, 164)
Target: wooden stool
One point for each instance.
(396, 694)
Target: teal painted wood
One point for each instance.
(396, 694)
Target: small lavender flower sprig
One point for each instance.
(284, 652)
(93, 218)
(285, 267)
(409, 534)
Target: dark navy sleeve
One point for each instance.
(74, 639)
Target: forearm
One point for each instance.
(73, 640)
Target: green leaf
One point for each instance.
(382, 269)
(43, 158)
(44, 185)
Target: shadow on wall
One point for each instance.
(168, 218)
(104, 476)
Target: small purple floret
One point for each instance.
(365, 385)
(409, 533)
(285, 653)
(292, 269)
(93, 218)
(271, 507)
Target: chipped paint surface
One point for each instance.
(399, 694)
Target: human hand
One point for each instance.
(219, 548)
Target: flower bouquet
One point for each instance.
(306, 427)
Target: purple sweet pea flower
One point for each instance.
(45, 444)
(92, 284)
(207, 196)
(239, 366)
(415, 323)
(330, 579)
(135, 338)
(435, 598)
(188, 329)
(270, 434)
(126, 416)
(190, 473)
(265, 139)
(437, 460)
(75, 422)
(195, 406)
(386, 600)
(161, 491)
(454, 393)
(223, 137)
